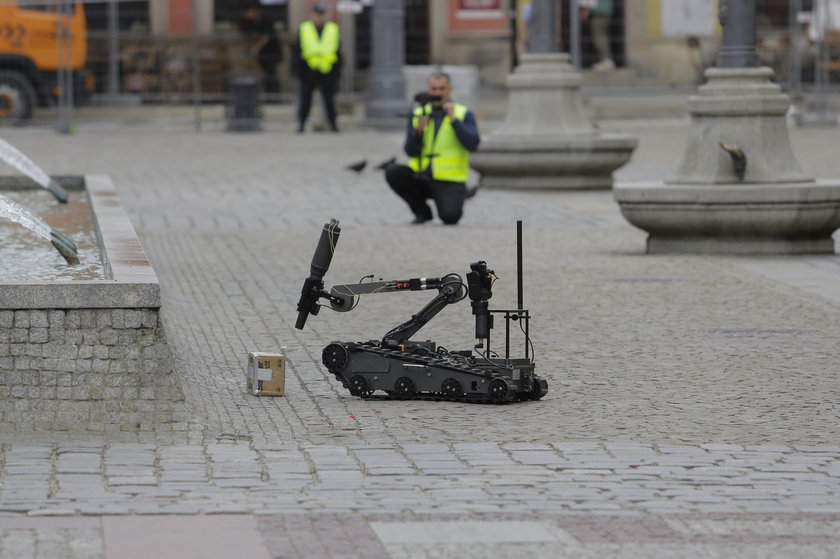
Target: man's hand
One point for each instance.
(447, 107)
(584, 14)
(422, 121)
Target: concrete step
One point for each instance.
(619, 77)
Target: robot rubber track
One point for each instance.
(364, 368)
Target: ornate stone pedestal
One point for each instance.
(546, 141)
(739, 188)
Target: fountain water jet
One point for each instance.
(13, 211)
(14, 157)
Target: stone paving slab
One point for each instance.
(694, 395)
(643, 478)
(378, 536)
(183, 536)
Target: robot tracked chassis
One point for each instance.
(414, 370)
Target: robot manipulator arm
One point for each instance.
(451, 290)
(313, 286)
(342, 297)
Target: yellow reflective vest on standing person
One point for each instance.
(449, 159)
(320, 52)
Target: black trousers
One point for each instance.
(416, 189)
(309, 82)
(269, 72)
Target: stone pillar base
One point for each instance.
(738, 107)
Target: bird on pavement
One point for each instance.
(357, 167)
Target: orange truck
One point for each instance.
(43, 44)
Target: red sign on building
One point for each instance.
(479, 4)
(476, 14)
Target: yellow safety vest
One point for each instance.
(319, 51)
(450, 160)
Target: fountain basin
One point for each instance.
(557, 162)
(88, 354)
(30, 257)
(779, 218)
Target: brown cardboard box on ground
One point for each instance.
(266, 373)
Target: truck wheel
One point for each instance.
(17, 98)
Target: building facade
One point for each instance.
(654, 42)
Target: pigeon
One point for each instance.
(358, 167)
(739, 159)
(387, 163)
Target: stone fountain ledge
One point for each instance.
(89, 355)
(781, 218)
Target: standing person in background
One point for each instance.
(523, 26)
(317, 62)
(825, 17)
(263, 44)
(599, 13)
(439, 138)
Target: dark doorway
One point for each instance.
(229, 11)
(131, 14)
(589, 55)
(417, 33)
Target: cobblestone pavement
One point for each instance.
(692, 400)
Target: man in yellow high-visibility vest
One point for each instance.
(438, 141)
(317, 62)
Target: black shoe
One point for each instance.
(300, 129)
(421, 219)
(334, 127)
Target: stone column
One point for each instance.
(541, 30)
(386, 87)
(738, 47)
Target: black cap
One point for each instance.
(319, 8)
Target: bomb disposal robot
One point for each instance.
(406, 369)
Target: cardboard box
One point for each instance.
(266, 373)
